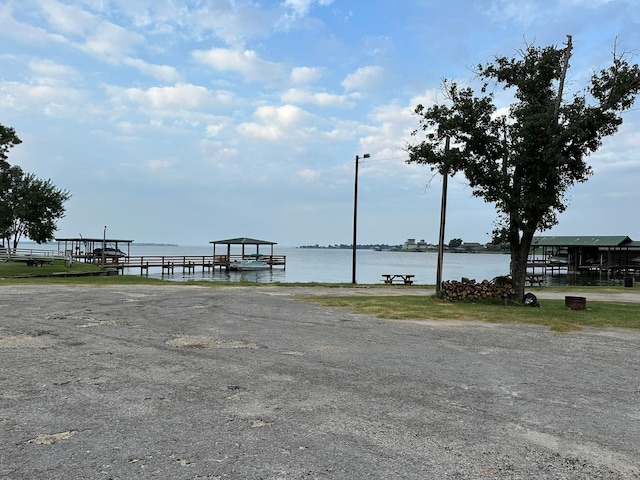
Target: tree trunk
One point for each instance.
(518, 266)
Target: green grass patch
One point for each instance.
(552, 314)
(21, 269)
(59, 272)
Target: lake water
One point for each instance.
(334, 265)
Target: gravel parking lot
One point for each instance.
(187, 382)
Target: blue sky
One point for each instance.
(190, 121)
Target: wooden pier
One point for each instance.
(188, 263)
(107, 252)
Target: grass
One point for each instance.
(552, 314)
(17, 269)
(20, 272)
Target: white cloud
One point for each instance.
(298, 95)
(233, 22)
(214, 130)
(110, 41)
(51, 72)
(304, 75)
(244, 62)
(286, 115)
(276, 123)
(53, 100)
(160, 164)
(166, 73)
(309, 175)
(364, 78)
(302, 7)
(24, 32)
(181, 95)
(68, 19)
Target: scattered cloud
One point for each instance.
(364, 78)
(166, 73)
(302, 96)
(304, 75)
(195, 96)
(244, 62)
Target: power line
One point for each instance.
(375, 160)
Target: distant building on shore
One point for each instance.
(411, 244)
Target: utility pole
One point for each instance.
(443, 214)
(355, 219)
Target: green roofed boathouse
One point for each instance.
(612, 257)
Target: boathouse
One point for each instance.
(610, 256)
(95, 250)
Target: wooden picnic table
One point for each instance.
(390, 278)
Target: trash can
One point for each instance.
(629, 281)
(575, 303)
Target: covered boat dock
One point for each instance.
(246, 245)
(613, 257)
(95, 250)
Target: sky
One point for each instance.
(198, 120)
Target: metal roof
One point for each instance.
(94, 240)
(582, 241)
(243, 241)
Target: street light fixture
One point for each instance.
(355, 219)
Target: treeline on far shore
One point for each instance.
(489, 248)
(343, 246)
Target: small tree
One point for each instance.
(525, 161)
(455, 242)
(35, 205)
(29, 206)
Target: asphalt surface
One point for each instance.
(183, 382)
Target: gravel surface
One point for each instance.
(186, 382)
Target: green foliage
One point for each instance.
(455, 242)
(524, 161)
(8, 140)
(29, 206)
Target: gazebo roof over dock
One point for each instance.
(243, 241)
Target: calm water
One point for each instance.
(334, 266)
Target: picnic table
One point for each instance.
(404, 278)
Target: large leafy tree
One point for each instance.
(525, 160)
(29, 206)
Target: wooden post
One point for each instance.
(443, 214)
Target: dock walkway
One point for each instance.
(188, 263)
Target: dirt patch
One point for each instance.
(23, 340)
(204, 343)
(51, 438)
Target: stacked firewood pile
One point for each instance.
(466, 289)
